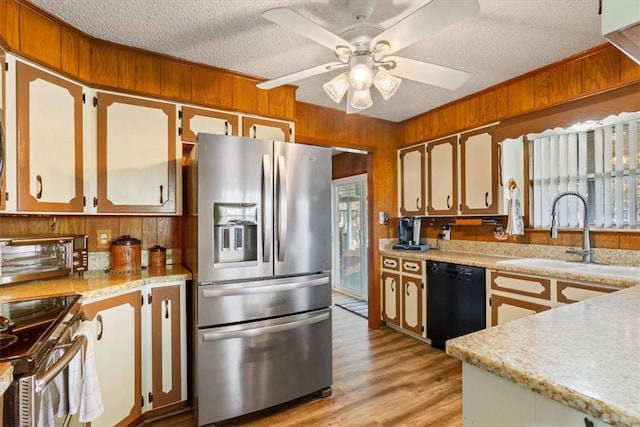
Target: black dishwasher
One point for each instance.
(455, 301)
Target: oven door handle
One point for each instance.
(43, 379)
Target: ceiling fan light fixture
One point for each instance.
(361, 74)
(361, 99)
(337, 87)
(386, 84)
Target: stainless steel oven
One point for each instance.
(36, 336)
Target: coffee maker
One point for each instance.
(409, 234)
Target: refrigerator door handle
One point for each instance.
(282, 207)
(218, 291)
(267, 208)
(251, 332)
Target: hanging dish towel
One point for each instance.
(52, 401)
(88, 389)
(515, 223)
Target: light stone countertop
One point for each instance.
(491, 262)
(93, 283)
(585, 355)
(6, 376)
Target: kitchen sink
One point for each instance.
(576, 267)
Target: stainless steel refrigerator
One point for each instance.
(257, 240)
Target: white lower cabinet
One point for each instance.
(403, 295)
(140, 350)
(164, 345)
(511, 296)
(491, 401)
(116, 325)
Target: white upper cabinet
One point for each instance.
(274, 130)
(49, 169)
(137, 152)
(443, 177)
(479, 173)
(198, 120)
(411, 167)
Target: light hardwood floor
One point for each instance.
(380, 378)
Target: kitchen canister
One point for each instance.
(157, 256)
(126, 255)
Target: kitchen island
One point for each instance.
(585, 356)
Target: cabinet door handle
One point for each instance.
(255, 131)
(166, 308)
(406, 288)
(95, 202)
(40, 187)
(486, 199)
(99, 319)
(393, 285)
(226, 127)
(161, 199)
(418, 203)
(449, 201)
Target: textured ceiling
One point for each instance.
(506, 38)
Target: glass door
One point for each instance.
(349, 204)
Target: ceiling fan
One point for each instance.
(367, 49)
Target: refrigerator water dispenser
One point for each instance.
(235, 232)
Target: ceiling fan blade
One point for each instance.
(289, 19)
(425, 72)
(430, 18)
(299, 75)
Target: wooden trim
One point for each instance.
(248, 122)
(498, 300)
(403, 203)
(544, 294)
(92, 309)
(159, 297)
(598, 106)
(25, 75)
(3, 120)
(453, 210)
(189, 113)
(104, 204)
(492, 209)
(562, 285)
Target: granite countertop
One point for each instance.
(6, 376)
(491, 262)
(93, 283)
(584, 355)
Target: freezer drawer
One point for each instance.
(252, 366)
(222, 304)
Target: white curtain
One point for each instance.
(606, 168)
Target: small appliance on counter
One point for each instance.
(409, 235)
(41, 257)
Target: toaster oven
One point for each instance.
(32, 258)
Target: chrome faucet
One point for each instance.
(585, 252)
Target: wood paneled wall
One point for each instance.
(165, 231)
(348, 164)
(595, 71)
(36, 35)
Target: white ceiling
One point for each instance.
(505, 39)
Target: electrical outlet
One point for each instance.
(103, 239)
(445, 232)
